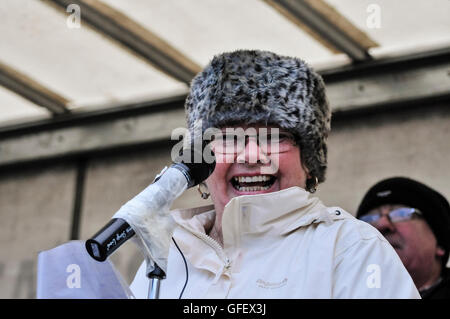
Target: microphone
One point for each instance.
(156, 198)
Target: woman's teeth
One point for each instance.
(252, 179)
(253, 183)
(252, 189)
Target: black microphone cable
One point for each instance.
(186, 267)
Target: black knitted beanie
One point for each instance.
(405, 191)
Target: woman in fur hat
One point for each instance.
(266, 236)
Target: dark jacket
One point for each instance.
(441, 290)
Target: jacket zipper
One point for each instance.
(215, 245)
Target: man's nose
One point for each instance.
(252, 153)
(385, 225)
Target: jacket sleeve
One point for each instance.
(370, 268)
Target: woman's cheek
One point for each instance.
(291, 170)
(225, 158)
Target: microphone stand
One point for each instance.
(155, 278)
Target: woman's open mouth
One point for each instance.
(255, 183)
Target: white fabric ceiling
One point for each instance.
(93, 71)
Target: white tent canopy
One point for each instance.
(49, 66)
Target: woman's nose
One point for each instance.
(252, 153)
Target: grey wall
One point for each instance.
(35, 214)
(36, 203)
(363, 151)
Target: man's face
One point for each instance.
(412, 239)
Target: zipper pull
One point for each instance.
(227, 264)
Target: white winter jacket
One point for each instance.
(284, 244)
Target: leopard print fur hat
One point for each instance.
(261, 87)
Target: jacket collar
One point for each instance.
(276, 213)
(245, 218)
(271, 214)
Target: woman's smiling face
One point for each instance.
(252, 169)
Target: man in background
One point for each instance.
(415, 219)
